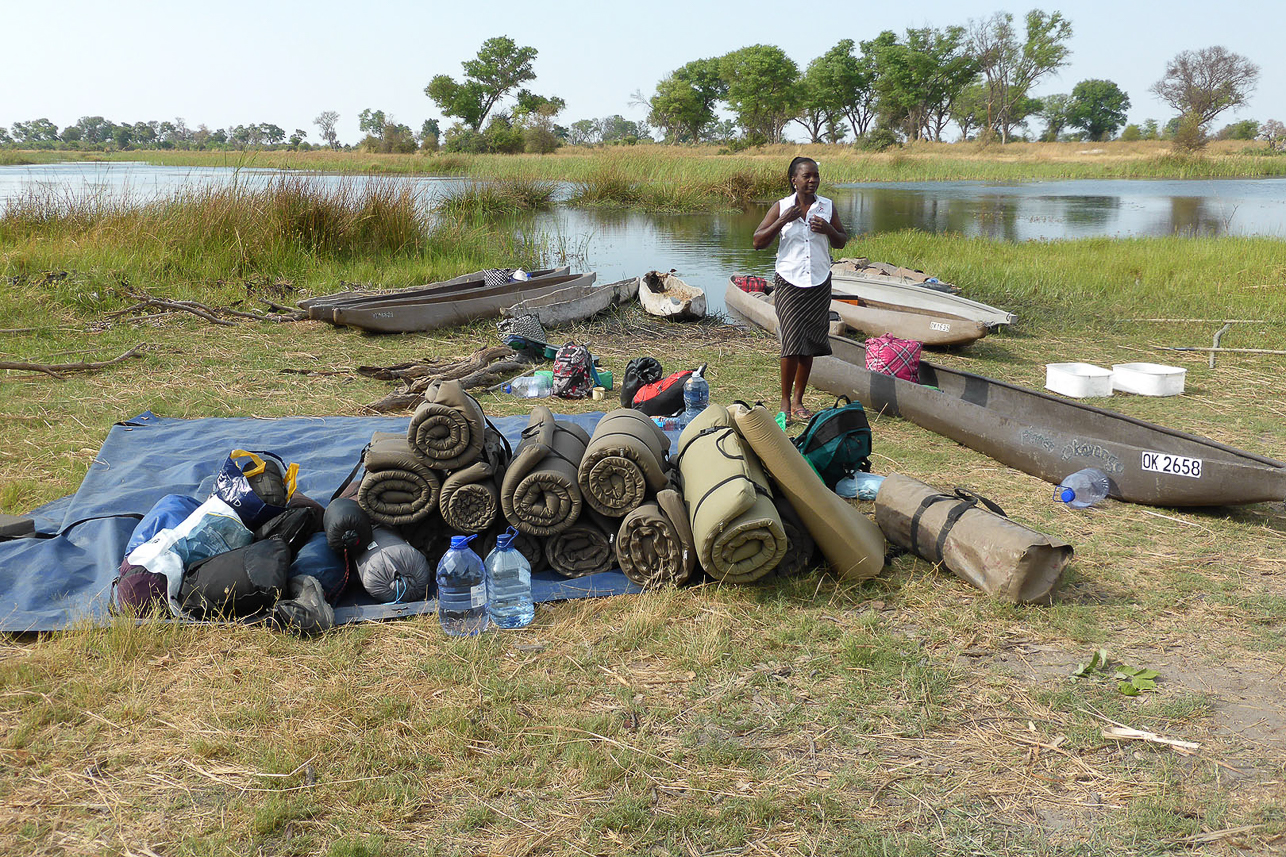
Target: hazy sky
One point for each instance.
(282, 61)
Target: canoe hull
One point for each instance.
(1050, 437)
(758, 309)
(918, 297)
(575, 303)
(674, 300)
(926, 326)
(322, 307)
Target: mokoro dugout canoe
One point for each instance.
(926, 326)
(1051, 437)
(666, 296)
(918, 297)
(575, 303)
(320, 307)
(758, 309)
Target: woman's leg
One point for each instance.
(789, 370)
(804, 367)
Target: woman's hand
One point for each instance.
(795, 212)
(820, 224)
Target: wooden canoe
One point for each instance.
(918, 297)
(930, 327)
(1050, 437)
(757, 308)
(452, 310)
(667, 296)
(575, 303)
(884, 272)
(321, 306)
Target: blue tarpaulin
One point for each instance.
(65, 576)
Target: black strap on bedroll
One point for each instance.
(361, 459)
(968, 500)
(718, 445)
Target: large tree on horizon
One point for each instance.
(1011, 65)
(500, 67)
(1205, 83)
(763, 89)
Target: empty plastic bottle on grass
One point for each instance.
(530, 386)
(1083, 489)
(696, 394)
(462, 590)
(509, 584)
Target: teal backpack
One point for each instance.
(837, 441)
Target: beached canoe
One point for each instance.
(914, 296)
(575, 303)
(666, 296)
(884, 272)
(321, 306)
(930, 327)
(452, 310)
(1050, 437)
(757, 308)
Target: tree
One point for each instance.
(1273, 133)
(584, 132)
(1055, 110)
(500, 67)
(1097, 107)
(684, 101)
(430, 133)
(372, 122)
(1011, 67)
(969, 110)
(325, 122)
(841, 82)
(123, 136)
(1246, 129)
(273, 134)
(763, 89)
(35, 131)
(917, 80)
(1207, 82)
(297, 138)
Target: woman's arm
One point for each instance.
(834, 229)
(772, 223)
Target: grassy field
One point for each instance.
(906, 715)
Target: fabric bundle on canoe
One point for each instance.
(999, 556)
(398, 488)
(654, 543)
(736, 528)
(850, 541)
(447, 428)
(540, 494)
(624, 462)
(583, 548)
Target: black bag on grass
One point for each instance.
(240, 582)
(639, 371)
(662, 398)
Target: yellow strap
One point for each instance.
(259, 465)
(292, 473)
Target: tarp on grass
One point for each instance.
(65, 577)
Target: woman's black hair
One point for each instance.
(790, 171)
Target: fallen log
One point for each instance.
(55, 370)
(483, 367)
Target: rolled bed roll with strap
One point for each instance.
(583, 548)
(851, 543)
(399, 487)
(541, 494)
(654, 545)
(470, 499)
(736, 529)
(971, 536)
(624, 462)
(448, 427)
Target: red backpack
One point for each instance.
(662, 398)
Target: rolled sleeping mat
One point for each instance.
(398, 487)
(447, 428)
(654, 544)
(469, 500)
(801, 549)
(980, 545)
(624, 462)
(532, 548)
(849, 540)
(391, 570)
(583, 548)
(735, 526)
(540, 494)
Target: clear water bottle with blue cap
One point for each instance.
(1083, 489)
(462, 590)
(509, 584)
(696, 394)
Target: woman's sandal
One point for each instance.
(801, 413)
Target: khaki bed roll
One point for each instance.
(850, 541)
(448, 427)
(540, 495)
(398, 487)
(583, 548)
(999, 556)
(624, 462)
(736, 528)
(654, 544)
(470, 498)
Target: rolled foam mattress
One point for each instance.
(654, 545)
(448, 427)
(583, 548)
(624, 462)
(399, 487)
(541, 494)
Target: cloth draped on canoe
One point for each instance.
(583, 548)
(736, 528)
(654, 545)
(398, 487)
(448, 427)
(624, 462)
(541, 495)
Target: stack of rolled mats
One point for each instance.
(540, 494)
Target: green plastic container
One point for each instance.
(604, 379)
(547, 374)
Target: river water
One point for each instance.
(706, 248)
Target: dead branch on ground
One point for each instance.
(56, 370)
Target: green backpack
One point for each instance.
(837, 441)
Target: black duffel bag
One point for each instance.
(237, 583)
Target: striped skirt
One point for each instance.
(803, 318)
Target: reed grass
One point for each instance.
(497, 198)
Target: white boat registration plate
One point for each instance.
(1177, 465)
(937, 325)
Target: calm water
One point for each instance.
(706, 248)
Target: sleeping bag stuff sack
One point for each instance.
(654, 544)
(800, 547)
(541, 495)
(241, 582)
(447, 427)
(981, 546)
(470, 498)
(399, 487)
(392, 571)
(136, 591)
(213, 528)
(849, 540)
(583, 548)
(167, 513)
(316, 559)
(663, 398)
(624, 462)
(737, 530)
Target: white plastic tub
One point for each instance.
(1148, 379)
(1078, 380)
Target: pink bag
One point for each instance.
(889, 355)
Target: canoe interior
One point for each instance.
(463, 283)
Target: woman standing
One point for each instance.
(809, 227)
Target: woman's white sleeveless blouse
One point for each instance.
(804, 256)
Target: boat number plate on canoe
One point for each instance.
(937, 325)
(1160, 462)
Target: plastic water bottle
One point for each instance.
(509, 584)
(530, 386)
(1083, 489)
(668, 423)
(696, 394)
(462, 590)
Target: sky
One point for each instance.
(283, 61)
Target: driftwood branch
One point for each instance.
(56, 370)
(1217, 350)
(209, 313)
(483, 367)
